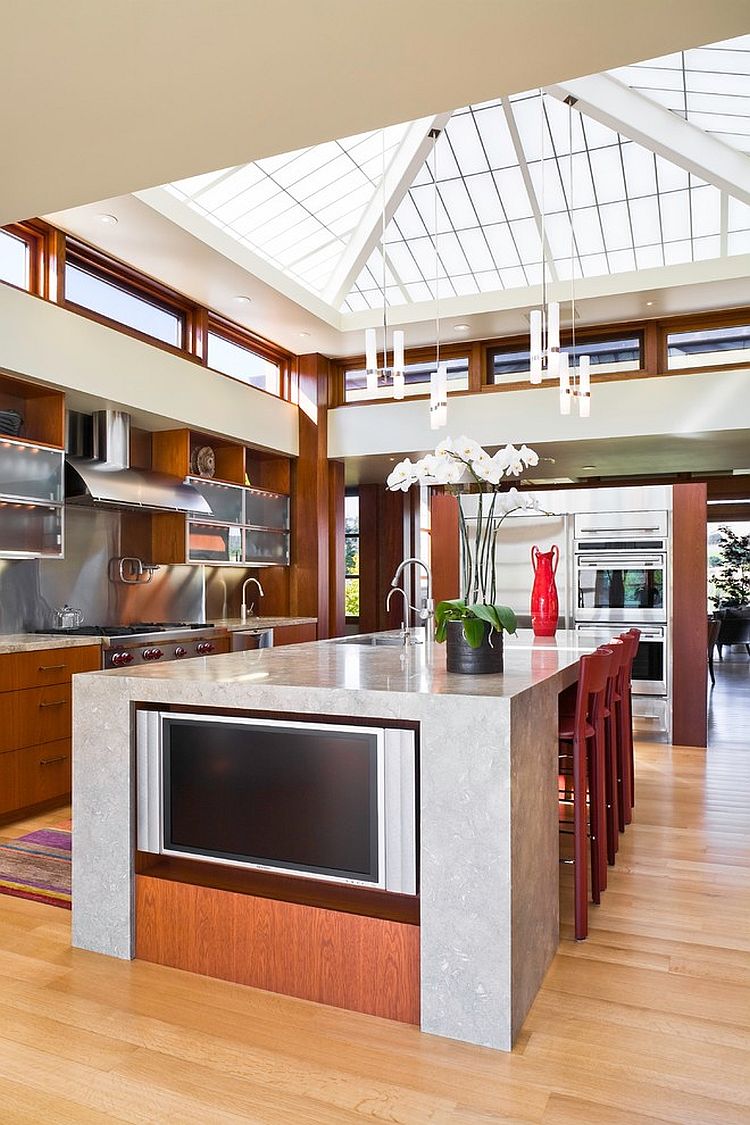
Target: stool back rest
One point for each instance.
(594, 671)
(614, 679)
(632, 640)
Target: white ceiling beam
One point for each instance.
(406, 161)
(612, 103)
(548, 260)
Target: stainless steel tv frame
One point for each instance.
(396, 796)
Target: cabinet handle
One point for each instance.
(51, 667)
(54, 703)
(52, 761)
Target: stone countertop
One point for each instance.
(38, 642)
(235, 623)
(333, 665)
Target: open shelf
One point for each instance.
(42, 410)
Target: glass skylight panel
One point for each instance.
(649, 257)
(526, 238)
(476, 249)
(502, 244)
(558, 233)
(675, 218)
(594, 265)
(738, 217)
(465, 285)
(640, 170)
(705, 203)
(645, 221)
(466, 145)
(606, 167)
(458, 205)
(512, 191)
(588, 231)
(676, 253)
(495, 136)
(489, 206)
(616, 225)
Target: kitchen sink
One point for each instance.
(380, 641)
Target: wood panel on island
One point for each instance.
(32, 443)
(35, 735)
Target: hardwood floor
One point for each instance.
(647, 1021)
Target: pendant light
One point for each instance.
(545, 322)
(577, 385)
(439, 377)
(374, 372)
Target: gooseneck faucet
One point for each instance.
(244, 610)
(405, 621)
(428, 609)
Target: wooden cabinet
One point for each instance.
(245, 526)
(294, 634)
(35, 724)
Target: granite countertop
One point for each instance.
(36, 642)
(235, 623)
(333, 665)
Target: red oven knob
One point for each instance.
(120, 659)
(203, 648)
(152, 653)
(180, 651)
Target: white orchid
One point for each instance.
(402, 477)
(459, 461)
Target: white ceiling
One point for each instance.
(99, 98)
(704, 452)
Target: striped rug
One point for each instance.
(37, 867)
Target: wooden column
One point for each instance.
(381, 549)
(689, 615)
(316, 585)
(336, 576)
(444, 546)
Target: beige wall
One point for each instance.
(42, 341)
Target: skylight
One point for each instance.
(314, 214)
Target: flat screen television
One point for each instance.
(324, 800)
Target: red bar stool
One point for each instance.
(612, 739)
(582, 756)
(626, 765)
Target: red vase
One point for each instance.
(544, 605)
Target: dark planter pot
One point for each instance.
(461, 657)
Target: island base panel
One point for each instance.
(345, 960)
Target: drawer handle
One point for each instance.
(51, 667)
(52, 761)
(54, 703)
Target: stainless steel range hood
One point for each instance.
(106, 477)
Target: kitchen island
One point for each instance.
(488, 831)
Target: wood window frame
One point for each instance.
(251, 342)
(121, 276)
(697, 322)
(453, 350)
(34, 237)
(590, 334)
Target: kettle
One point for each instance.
(68, 618)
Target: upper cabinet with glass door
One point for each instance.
(31, 470)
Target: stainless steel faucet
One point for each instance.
(405, 622)
(428, 609)
(244, 610)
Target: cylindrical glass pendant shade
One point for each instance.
(553, 338)
(371, 360)
(565, 395)
(535, 320)
(398, 364)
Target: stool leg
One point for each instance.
(580, 860)
(631, 752)
(611, 788)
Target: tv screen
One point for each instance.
(303, 799)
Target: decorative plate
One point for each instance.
(204, 461)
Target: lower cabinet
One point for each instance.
(35, 724)
(294, 634)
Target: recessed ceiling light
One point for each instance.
(241, 299)
(461, 327)
(649, 303)
(587, 468)
(110, 220)
(304, 334)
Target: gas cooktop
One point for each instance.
(134, 630)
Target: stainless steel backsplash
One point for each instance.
(31, 590)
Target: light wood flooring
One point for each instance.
(648, 1020)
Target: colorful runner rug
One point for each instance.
(37, 867)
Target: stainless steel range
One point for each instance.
(147, 642)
